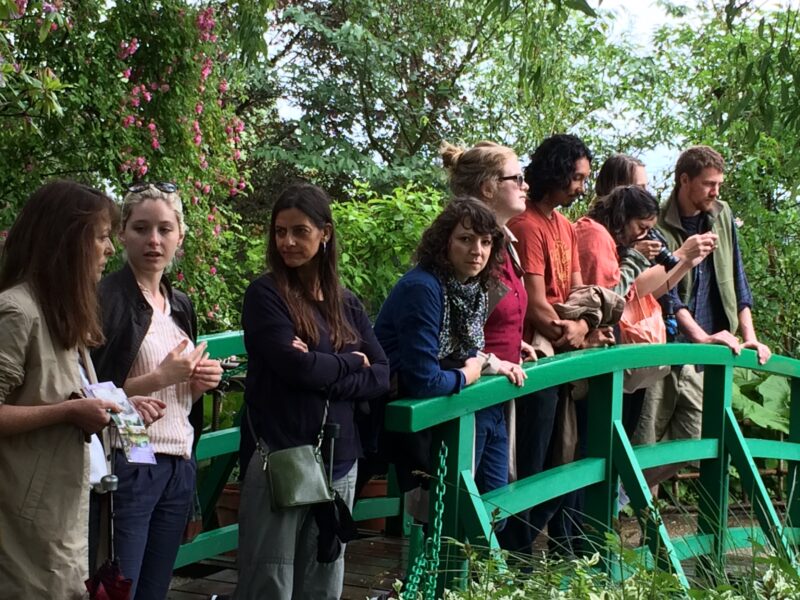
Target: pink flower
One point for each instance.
(140, 160)
(210, 315)
(195, 200)
(237, 155)
(153, 86)
(210, 218)
(142, 170)
(223, 86)
(154, 143)
(206, 189)
(198, 184)
(180, 276)
(22, 5)
(127, 73)
(151, 126)
(198, 139)
(198, 108)
(217, 229)
(233, 191)
(134, 102)
(242, 184)
(212, 270)
(147, 96)
(128, 121)
(164, 87)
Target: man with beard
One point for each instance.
(715, 300)
(547, 248)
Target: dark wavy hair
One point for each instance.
(431, 254)
(621, 206)
(52, 247)
(315, 204)
(553, 164)
(618, 169)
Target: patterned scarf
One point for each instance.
(466, 308)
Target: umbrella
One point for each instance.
(108, 582)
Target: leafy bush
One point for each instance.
(378, 235)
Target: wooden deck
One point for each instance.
(371, 566)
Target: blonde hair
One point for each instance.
(470, 168)
(172, 199)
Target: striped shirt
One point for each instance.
(172, 434)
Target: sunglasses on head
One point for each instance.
(162, 186)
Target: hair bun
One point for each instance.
(450, 154)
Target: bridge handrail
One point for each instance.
(411, 415)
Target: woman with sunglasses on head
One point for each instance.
(312, 359)
(491, 173)
(51, 263)
(150, 330)
(431, 326)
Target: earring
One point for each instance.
(324, 246)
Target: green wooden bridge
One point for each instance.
(610, 458)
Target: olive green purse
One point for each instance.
(296, 475)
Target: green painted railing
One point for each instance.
(610, 458)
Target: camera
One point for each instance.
(665, 258)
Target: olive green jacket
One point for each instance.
(721, 222)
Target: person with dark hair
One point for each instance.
(52, 260)
(557, 175)
(311, 353)
(715, 299)
(431, 324)
(491, 173)
(611, 255)
(150, 331)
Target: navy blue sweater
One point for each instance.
(285, 389)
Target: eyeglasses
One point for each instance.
(519, 178)
(162, 186)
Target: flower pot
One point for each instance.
(374, 488)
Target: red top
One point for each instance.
(598, 253)
(547, 247)
(503, 329)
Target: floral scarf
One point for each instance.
(466, 308)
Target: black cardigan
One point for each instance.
(285, 389)
(126, 319)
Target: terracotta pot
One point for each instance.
(374, 488)
(228, 507)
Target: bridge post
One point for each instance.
(604, 409)
(793, 479)
(457, 435)
(714, 479)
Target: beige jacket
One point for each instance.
(44, 474)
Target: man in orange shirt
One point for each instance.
(557, 176)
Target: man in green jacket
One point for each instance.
(715, 300)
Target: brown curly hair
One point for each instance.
(431, 254)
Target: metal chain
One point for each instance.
(424, 573)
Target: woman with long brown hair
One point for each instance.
(51, 262)
(312, 358)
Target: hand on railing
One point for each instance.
(472, 369)
(513, 371)
(762, 350)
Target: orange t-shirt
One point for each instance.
(547, 247)
(598, 253)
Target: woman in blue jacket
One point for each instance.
(308, 341)
(431, 325)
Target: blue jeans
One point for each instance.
(491, 448)
(151, 508)
(535, 416)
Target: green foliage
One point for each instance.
(378, 234)
(107, 98)
(762, 400)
